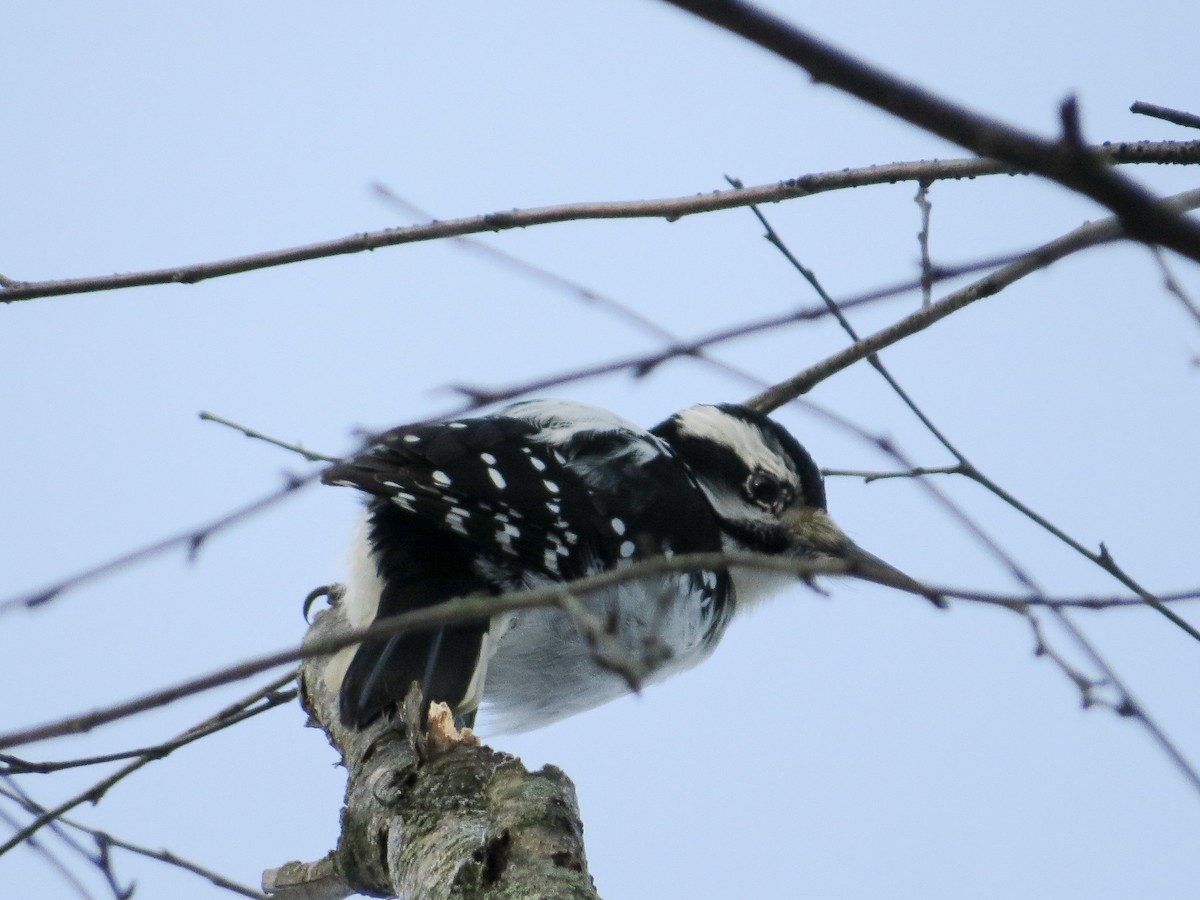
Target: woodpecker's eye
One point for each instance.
(764, 490)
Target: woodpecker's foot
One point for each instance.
(334, 592)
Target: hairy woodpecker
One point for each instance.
(547, 491)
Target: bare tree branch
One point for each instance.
(468, 609)
(266, 697)
(101, 860)
(1017, 601)
(671, 209)
(192, 540)
(166, 856)
(1142, 215)
(270, 697)
(1089, 235)
(1102, 559)
(60, 868)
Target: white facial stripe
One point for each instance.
(711, 424)
(732, 507)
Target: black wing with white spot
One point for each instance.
(487, 482)
(644, 496)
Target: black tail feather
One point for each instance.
(443, 662)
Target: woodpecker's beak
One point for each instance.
(814, 534)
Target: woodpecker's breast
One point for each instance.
(544, 668)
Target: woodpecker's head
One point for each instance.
(765, 489)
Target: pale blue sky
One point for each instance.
(862, 745)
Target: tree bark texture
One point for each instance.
(423, 822)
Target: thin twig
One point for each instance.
(1017, 601)
(922, 201)
(944, 501)
(1103, 559)
(868, 477)
(259, 436)
(12, 765)
(1086, 684)
(607, 650)
(172, 859)
(191, 540)
(615, 308)
(165, 856)
(59, 867)
(1173, 286)
(100, 859)
(1178, 117)
(474, 608)
(642, 365)
(268, 697)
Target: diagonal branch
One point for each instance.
(191, 540)
(1089, 235)
(263, 699)
(270, 696)
(103, 838)
(1142, 214)
(255, 435)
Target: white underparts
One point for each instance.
(359, 604)
(752, 586)
(475, 689)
